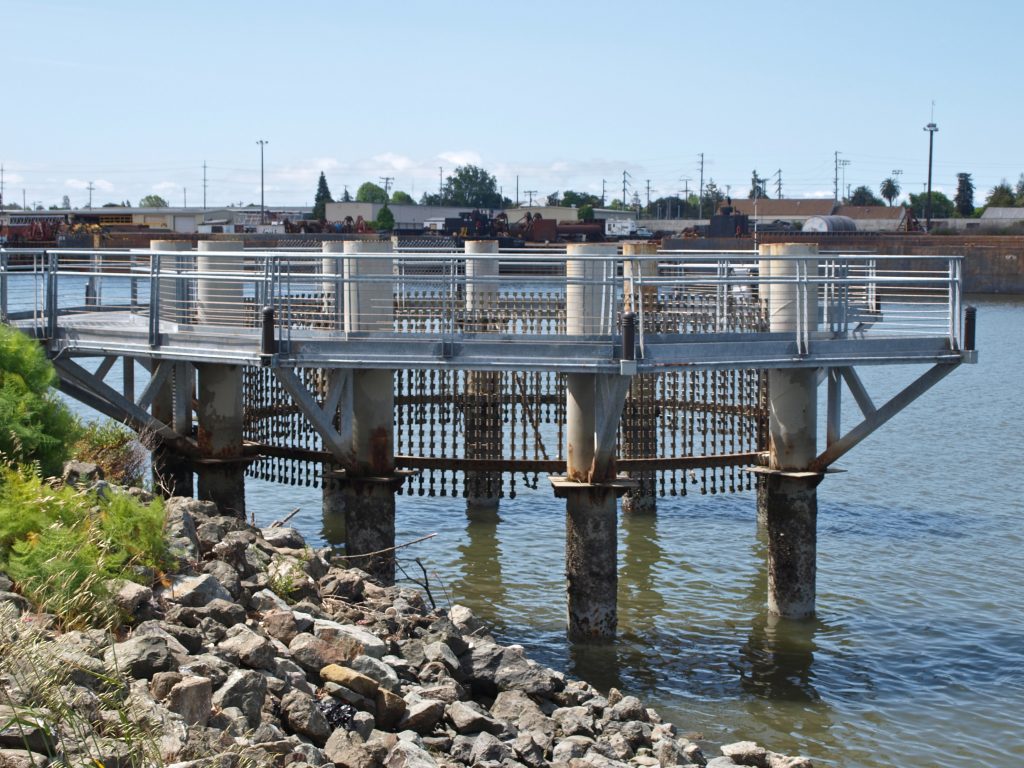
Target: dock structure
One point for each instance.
(372, 369)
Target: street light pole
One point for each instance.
(263, 209)
(931, 128)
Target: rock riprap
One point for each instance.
(262, 652)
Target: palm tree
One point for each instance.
(890, 189)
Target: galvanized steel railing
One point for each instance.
(427, 294)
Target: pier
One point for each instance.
(611, 372)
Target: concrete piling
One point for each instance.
(368, 490)
(789, 495)
(591, 535)
(219, 411)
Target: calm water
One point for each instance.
(917, 655)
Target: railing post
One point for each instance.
(154, 299)
(51, 294)
(4, 317)
(970, 324)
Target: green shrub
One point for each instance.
(35, 426)
(114, 449)
(61, 546)
(385, 220)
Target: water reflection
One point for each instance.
(641, 603)
(481, 565)
(776, 660)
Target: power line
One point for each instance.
(700, 197)
(778, 184)
(204, 185)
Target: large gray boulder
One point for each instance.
(246, 690)
(141, 657)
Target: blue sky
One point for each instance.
(134, 97)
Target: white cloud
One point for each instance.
(462, 157)
(395, 161)
(166, 186)
(101, 185)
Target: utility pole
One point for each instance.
(387, 185)
(778, 184)
(517, 190)
(700, 195)
(603, 182)
(625, 183)
(931, 128)
(686, 197)
(648, 196)
(263, 208)
(440, 184)
(842, 164)
(204, 185)
(531, 193)
(1, 188)
(91, 187)
(184, 195)
(835, 181)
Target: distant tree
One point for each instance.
(65, 203)
(890, 189)
(712, 198)
(111, 205)
(585, 212)
(757, 186)
(942, 206)
(12, 206)
(345, 196)
(369, 192)
(473, 186)
(675, 207)
(1019, 190)
(616, 204)
(322, 198)
(554, 199)
(862, 195)
(385, 219)
(964, 198)
(152, 201)
(580, 199)
(1001, 196)
(402, 198)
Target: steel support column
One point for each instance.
(482, 416)
(172, 472)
